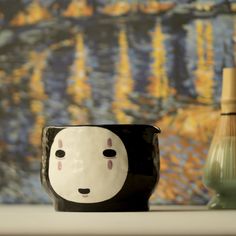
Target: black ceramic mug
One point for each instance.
(100, 167)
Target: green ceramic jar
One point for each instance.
(220, 173)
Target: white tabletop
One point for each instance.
(161, 220)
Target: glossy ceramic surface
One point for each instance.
(220, 173)
(100, 168)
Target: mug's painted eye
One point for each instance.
(109, 153)
(60, 153)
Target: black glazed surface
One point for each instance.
(142, 148)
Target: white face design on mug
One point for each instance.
(87, 164)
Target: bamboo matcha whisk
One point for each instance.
(220, 167)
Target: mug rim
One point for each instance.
(101, 125)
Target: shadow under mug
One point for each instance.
(100, 167)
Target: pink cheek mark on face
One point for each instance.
(59, 165)
(109, 164)
(109, 142)
(60, 143)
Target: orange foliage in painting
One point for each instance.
(34, 13)
(190, 121)
(78, 114)
(35, 136)
(233, 7)
(36, 85)
(124, 83)
(152, 6)
(37, 94)
(61, 44)
(205, 65)
(18, 73)
(78, 8)
(204, 6)
(78, 87)
(15, 79)
(182, 160)
(158, 83)
(117, 9)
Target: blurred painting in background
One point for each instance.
(91, 62)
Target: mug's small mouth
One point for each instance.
(84, 191)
